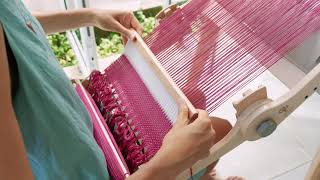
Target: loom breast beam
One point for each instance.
(258, 116)
(157, 80)
(314, 170)
(105, 139)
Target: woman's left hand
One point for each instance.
(117, 21)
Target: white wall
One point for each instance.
(45, 5)
(307, 53)
(42, 5)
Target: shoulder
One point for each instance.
(5, 6)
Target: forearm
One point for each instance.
(59, 21)
(155, 169)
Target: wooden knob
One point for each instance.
(266, 128)
(250, 97)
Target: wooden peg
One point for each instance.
(166, 12)
(247, 93)
(250, 97)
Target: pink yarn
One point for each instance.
(116, 166)
(128, 116)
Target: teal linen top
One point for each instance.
(54, 123)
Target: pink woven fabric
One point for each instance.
(128, 107)
(115, 114)
(145, 113)
(113, 163)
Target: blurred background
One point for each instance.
(103, 47)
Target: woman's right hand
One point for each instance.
(184, 145)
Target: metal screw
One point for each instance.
(266, 128)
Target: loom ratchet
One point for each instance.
(258, 116)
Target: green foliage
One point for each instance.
(147, 23)
(62, 49)
(152, 12)
(113, 44)
(182, 2)
(110, 43)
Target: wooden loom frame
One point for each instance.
(257, 115)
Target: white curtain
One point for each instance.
(43, 5)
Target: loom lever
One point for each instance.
(258, 116)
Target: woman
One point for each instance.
(45, 129)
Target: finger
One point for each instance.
(183, 119)
(124, 31)
(202, 113)
(136, 25)
(124, 39)
(204, 155)
(126, 20)
(204, 124)
(211, 166)
(213, 172)
(221, 126)
(85, 83)
(203, 119)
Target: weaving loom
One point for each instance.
(208, 49)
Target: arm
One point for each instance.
(109, 20)
(13, 158)
(59, 21)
